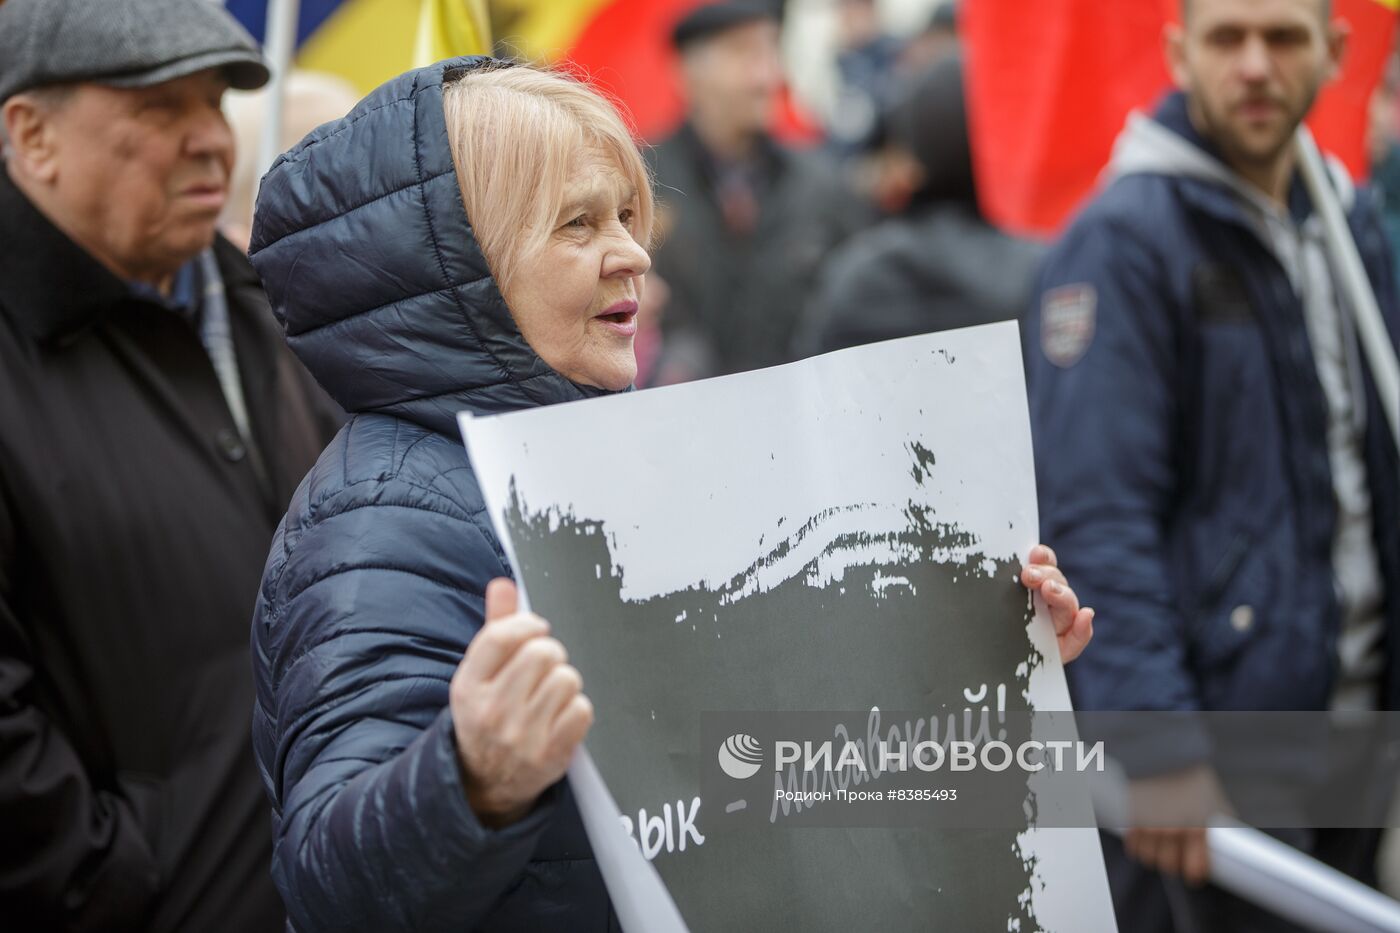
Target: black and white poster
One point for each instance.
(844, 533)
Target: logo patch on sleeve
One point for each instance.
(1067, 323)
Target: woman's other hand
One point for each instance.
(1073, 626)
(518, 710)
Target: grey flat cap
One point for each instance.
(122, 43)
(710, 19)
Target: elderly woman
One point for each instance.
(471, 236)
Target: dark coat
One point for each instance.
(937, 265)
(933, 269)
(1182, 461)
(374, 586)
(132, 535)
(744, 295)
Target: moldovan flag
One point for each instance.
(1051, 84)
(623, 46)
(367, 42)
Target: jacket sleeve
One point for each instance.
(1104, 425)
(72, 856)
(356, 638)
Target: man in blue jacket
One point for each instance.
(1232, 507)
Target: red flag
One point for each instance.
(1050, 86)
(625, 48)
(1340, 117)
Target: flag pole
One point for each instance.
(1354, 284)
(279, 47)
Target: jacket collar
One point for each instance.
(1221, 197)
(49, 285)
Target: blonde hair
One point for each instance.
(514, 132)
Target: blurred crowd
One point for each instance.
(1214, 465)
(770, 252)
(758, 260)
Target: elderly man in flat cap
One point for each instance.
(748, 221)
(152, 429)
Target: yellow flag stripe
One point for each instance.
(365, 41)
(448, 28)
(544, 30)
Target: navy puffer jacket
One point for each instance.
(375, 582)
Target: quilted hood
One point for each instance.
(371, 266)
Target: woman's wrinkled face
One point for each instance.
(575, 297)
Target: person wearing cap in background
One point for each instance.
(937, 264)
(153, 426)
(748, 222)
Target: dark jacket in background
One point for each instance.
(744, 295)
(934, 269)
(132, 536)
(375, 582)
(938, 264)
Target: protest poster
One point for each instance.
(842, 533)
